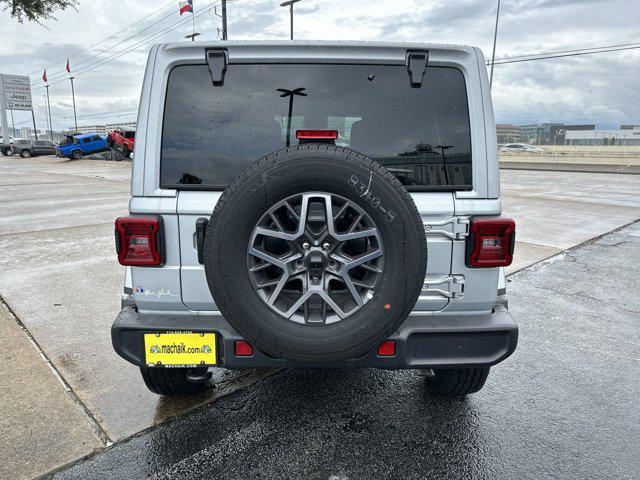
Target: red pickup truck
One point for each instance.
(122, 139)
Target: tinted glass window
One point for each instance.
(86, 140)
(95, 138)
(40, 143)
(210, 134)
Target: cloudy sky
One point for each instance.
(603, 88)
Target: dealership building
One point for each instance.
(625, 135)
(557, 133)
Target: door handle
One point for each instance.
(201, 231)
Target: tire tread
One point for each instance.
(457, 382)
(170, 381)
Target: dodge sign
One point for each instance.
(17, 92)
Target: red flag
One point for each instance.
(68, 66)
(44, 76)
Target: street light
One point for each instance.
(495, 38)
(289, 3)
(290, 93)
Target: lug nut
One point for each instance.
(306, 245)
(326, 246)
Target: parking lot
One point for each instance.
(562, 406)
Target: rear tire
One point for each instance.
(25, 153)
(172, 382)
(457, 382)
(125, 152)
(7, 152)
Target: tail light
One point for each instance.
(491, 242)
(242, 349)
(139, 241)
(387, 348)
(316, 134)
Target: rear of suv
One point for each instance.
(312, 204)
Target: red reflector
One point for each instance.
(387, 348)
(316, 134)
(243, 349)
(491, 242)
(137, 241)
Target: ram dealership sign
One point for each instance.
(16, 90)
(15, 94)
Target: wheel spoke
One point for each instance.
(352, 289)
(367, 257)
(268, 258)
(269, 232)
(291, 210)
(344, 237)
(276, 291)
(276, 221)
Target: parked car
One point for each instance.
(7, 149)
(258, 239)
(520, 147)
(83, 144)
(33, 148)
(122, 139)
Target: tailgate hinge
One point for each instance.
(451, 286)
(217, 61)
(417, 61)
(455, 228)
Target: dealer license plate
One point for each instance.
(180, 349)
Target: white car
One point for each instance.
(520, 147)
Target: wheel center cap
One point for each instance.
(316, 260)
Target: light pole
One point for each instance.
(289, 3)
(495, 38)
(291, 93)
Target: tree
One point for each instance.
(36, 10)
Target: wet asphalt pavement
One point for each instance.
(565, 405)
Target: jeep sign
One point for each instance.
(17, 92)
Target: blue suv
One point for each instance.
(80, 145)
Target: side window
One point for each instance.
(95, 138)
(86, 140)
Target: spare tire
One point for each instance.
(315, 253)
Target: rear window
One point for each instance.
(210, 134)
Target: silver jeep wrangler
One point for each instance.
(312, 204)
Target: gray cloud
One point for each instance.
(599, 88)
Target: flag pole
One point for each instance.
(49, 112)
(73, 96)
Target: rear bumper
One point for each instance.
(422, 341)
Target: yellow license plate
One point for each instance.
(180, 349)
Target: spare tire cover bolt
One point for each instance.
(306, 245)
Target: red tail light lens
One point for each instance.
(491, 242)
(316, 134)
(387, 348)
(243, 349)
(138, 241)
